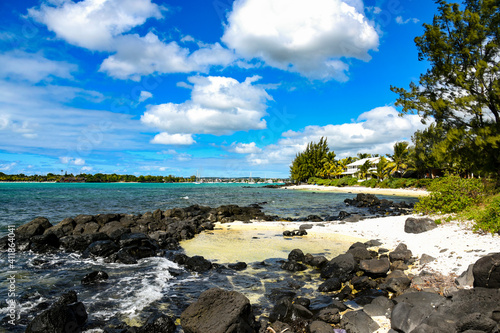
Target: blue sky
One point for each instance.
(215, 86)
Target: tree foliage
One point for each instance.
(461, 90)
(310, 162)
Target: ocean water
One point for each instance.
(135, 291)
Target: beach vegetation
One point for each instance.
(451, 194)
(340, 182)
(310, 162)
(488, 218)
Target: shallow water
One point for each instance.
(224, 245)
(135, 291)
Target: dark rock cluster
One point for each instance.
(363, 283)
(381, 207)
(125, 238)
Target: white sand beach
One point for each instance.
(453, 244)
(360, 189)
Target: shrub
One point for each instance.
(489, 219)
(450, 194)
(369, 183)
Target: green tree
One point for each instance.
(364, 170)
(309, 163)
(383, 168)
(461, 89)
(399, 158)
(329, 166)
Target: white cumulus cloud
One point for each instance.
(374, 132)
(245, 148)
(102, 25)
(136, 56)
(173, 139)
(309, 37)
(218, 106)
(93, 24)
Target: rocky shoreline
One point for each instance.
(365, 289)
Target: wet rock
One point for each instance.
(158, 323)
(123, 257)
(66, 315)
(95, 277)
(293, 233)
(375, 267)
(287, 312)
(293, 266)
(341, 266)
(367, 296)
(34, 228)
(345, 293)
(418, 225)
(239, 266)
(78, 243)
(102, 248)
(329, 315)
(487, 272)
(358, 322)
(296, 255)
(320, 327)
(219, 311)
(329, 285)
(315, 261)
(44, 243)
(362, 282)
(63, 228)
(198, 264)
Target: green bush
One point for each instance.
(450, 194)
(424, 183)
(370, 183)
(489, 219)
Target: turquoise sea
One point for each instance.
(136, 291)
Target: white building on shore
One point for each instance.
(353, 168)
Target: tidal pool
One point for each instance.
(252, 242)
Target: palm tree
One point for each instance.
(383, 168)
(364, 170)
(400, 158)
(329, 165)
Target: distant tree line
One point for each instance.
(93, 178)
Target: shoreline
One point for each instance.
(453, 244)
(359, 189)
